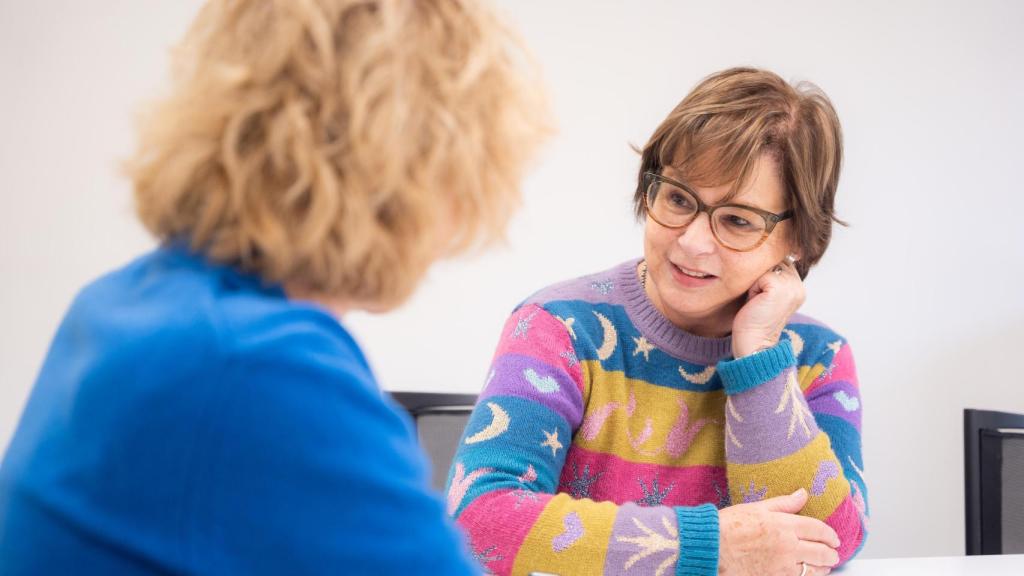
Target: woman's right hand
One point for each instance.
(770, 538)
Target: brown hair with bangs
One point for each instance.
(718, 132)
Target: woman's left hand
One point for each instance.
(773, 298)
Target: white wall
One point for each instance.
(926, 284)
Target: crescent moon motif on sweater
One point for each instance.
(795, 341)
(700, 378)
(499, 423)
(611, 337)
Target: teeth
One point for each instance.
(693, 274)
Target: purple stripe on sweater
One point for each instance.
(774, 421)
(630, 542)
(529, 378)
(603, 287)
(840, 399)
(620, 286)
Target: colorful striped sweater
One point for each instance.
(606, 438)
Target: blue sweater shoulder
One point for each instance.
(190, 419)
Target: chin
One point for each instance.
(688, 306)
(683, 304)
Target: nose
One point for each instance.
(697, 239)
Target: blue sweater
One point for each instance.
(190, 419)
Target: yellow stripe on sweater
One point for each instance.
(808, 374)
(660, 429)
(785, 475)
(569, 537)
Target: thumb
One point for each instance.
(790, 503)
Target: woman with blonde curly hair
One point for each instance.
(202, 410)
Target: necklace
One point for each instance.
(643, 274)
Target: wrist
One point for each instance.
(749, 346)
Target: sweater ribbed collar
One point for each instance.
(659, 330)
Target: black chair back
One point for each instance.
(440, 420)
(994, 482)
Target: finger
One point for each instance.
(781, 270)
(790, 503)
(814, 530)
(784, 268)
(787, 264)
(770, 280)
(816, 554)
(786, 278)
(754, 291)
(813, 570)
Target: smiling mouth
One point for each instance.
(693, 273)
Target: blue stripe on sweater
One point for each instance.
(520, 446)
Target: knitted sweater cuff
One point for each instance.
(698, 540)
(751, 371)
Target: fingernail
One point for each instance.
(799, 492)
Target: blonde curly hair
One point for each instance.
(340, 145)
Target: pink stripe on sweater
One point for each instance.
(842, 370)
(622, 481)
(501, 541)
(846, 522)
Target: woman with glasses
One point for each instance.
(674, 414)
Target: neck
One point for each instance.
(336, 306)
(717, 324)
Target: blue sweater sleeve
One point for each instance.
(307, 469)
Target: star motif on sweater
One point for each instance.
(486, 556)
(552, 442)
(523, 326)
(643, 347)
(579, 486)
(524, 494)
(752, 493)
(653, 495)
(724, 500)
(653, 542)
(835, 346)
(570, 357)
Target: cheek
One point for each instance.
(740, 271)
(657, 240)
(747, 267)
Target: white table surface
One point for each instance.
(1005, 565)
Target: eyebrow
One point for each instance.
(729, 201)
(690, 188)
